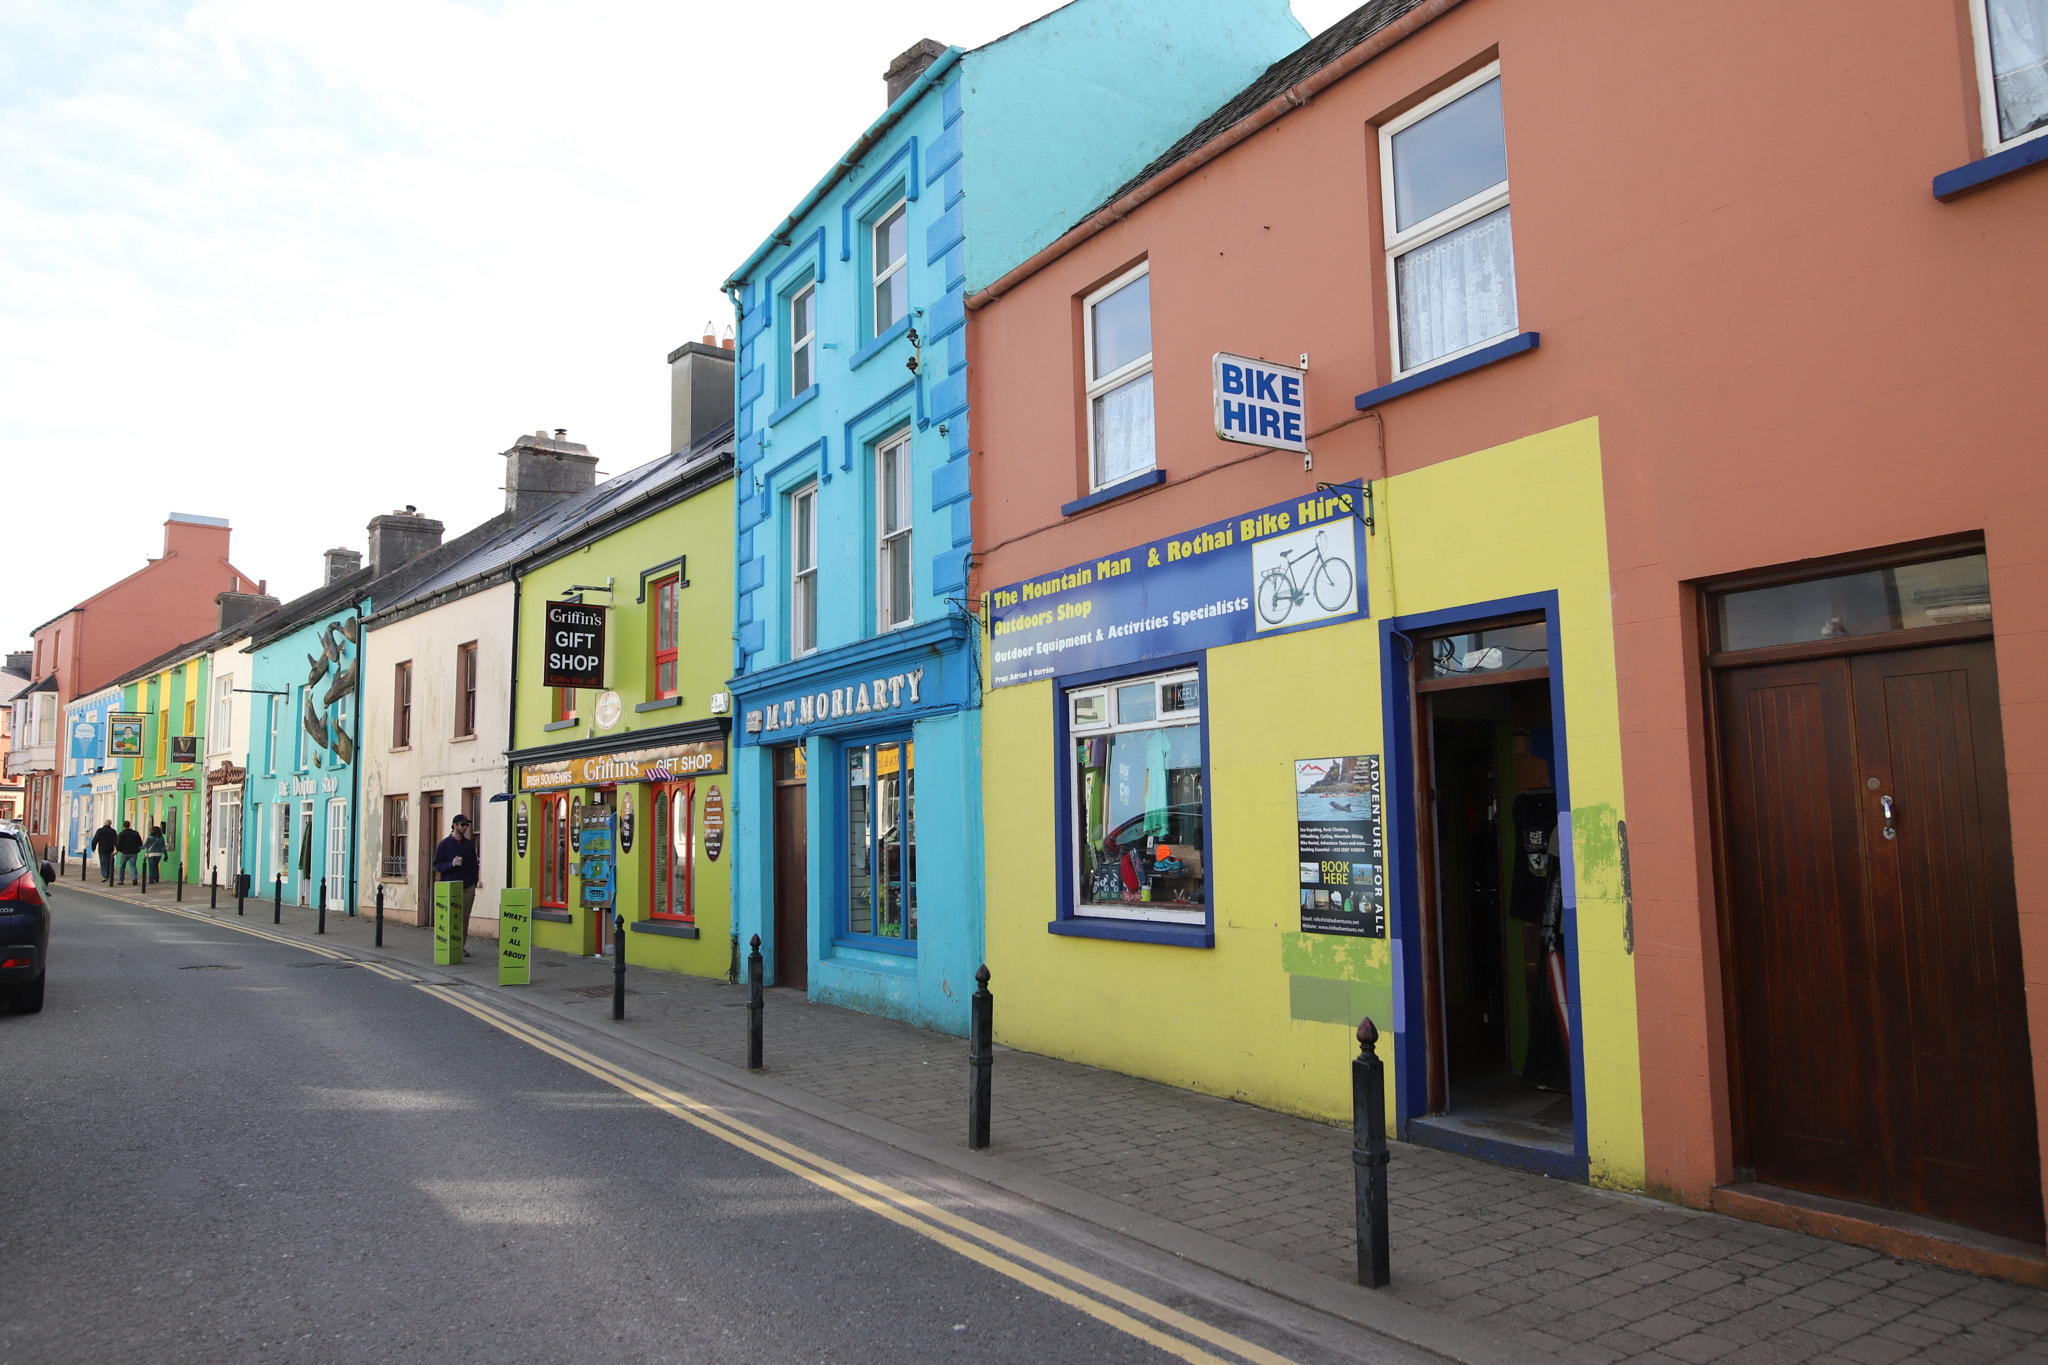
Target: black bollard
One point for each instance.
(1369, 1157)
(277, 901)
(181, 879)
(380, 914)
(62, 854)
(754, 1005)
(981, 1056)
(213, 890)
(241, 890)
(618, 966)
(323, 906)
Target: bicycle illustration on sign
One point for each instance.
(1295, 570)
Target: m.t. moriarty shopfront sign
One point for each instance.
(1290, 566)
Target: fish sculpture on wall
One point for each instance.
(335, 656)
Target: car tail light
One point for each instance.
(21, 891)
(18, 962)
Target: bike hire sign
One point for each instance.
(1260, 404)
(574, 643)
(1291, 566)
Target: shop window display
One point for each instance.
(670, 850)
(554, 851)
(1140, 799)
(881, 842)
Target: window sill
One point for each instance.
(1991, 169)
(792, 405)
(1449, 369)
(1136, 931)
(462, 739)
(568, 724)
(891, 948)
(879, 344)
(555, 916)
(668, 928)
(400, 749)
(1131, 485)
(658, 704)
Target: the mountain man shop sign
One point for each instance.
(1286, 567)
(662, 763)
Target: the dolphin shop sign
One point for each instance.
(1291, 566)
(878, 696)
(1261, 404)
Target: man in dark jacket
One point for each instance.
(455, 861)
(129, 846)
(103, 841)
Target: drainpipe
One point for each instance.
(511, 735)
(355, 767)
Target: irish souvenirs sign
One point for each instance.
(1341, 842)
(1291, 566)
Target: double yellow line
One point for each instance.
(1100, 1299)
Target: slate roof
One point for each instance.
(1297, 66)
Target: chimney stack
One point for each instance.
(700, 391)
(21, 662)
(400, 537)
(340, 564)
(541, 470)
(236, 607)
(909, 65)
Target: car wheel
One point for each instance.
(28, 999)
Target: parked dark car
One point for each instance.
(24, 923)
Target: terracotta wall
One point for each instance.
(1724, 232)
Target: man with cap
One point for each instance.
(455, 861)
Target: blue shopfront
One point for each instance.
(861, 769)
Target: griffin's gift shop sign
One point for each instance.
(662, 763)
(573, 641)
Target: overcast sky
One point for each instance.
(297, 263)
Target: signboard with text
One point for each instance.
(572, 645)
(1290, 566)
(515, 936)
(1259, 403)
(1340, 840)
(184, 748)
(597, 855)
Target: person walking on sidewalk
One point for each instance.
(103, 842)
(153, 856)
(129, 846)
(455, 861)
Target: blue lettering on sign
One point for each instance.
(1260, 403)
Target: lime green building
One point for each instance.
(162, 785)
(619, 785)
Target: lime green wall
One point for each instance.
(701, 529)
(1267, 1014)
(171, 687)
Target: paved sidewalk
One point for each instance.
(1541, 1265)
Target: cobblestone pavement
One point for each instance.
(1589, 1275)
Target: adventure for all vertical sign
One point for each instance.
(1341, 841)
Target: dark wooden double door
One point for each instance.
(1878, 1003)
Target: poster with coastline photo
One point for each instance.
(1341, 842)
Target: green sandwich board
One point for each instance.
(447, 908)
(515, 936)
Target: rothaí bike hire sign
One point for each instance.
(1292, 566)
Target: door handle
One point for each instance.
(1889, 832)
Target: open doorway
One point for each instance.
(1498, 1028)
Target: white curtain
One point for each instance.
(1457, 290)
(1123, 431)
(2019, 64)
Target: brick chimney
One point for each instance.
(700, 391)
(910, 64)
(400, 537)
(541, 470)
(340, 564)
(233, 608)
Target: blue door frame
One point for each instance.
(1404, 859)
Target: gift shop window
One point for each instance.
(669, 852)
(2012, 69)
(1118, 338)
(881, 844)
(1140, 799)
(553, 883)
(667, 630)
(1449, 235)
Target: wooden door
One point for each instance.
(431, 832)
(1879, 1007)
(792, 885)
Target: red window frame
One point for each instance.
(565, 703)
(668, 629)
(671, 852)
(553, 883)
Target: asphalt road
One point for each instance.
(218, 1148)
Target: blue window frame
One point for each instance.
(878, 779)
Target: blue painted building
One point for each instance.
(857, 840)
(92, 779)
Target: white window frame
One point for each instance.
(805, 345)
(1400, 243)
(1987, 84)
(223, 713)
(803, 580)
(1110, 723)
(890, 614)
(270, 751)
(881, 272)
(1115, 379)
